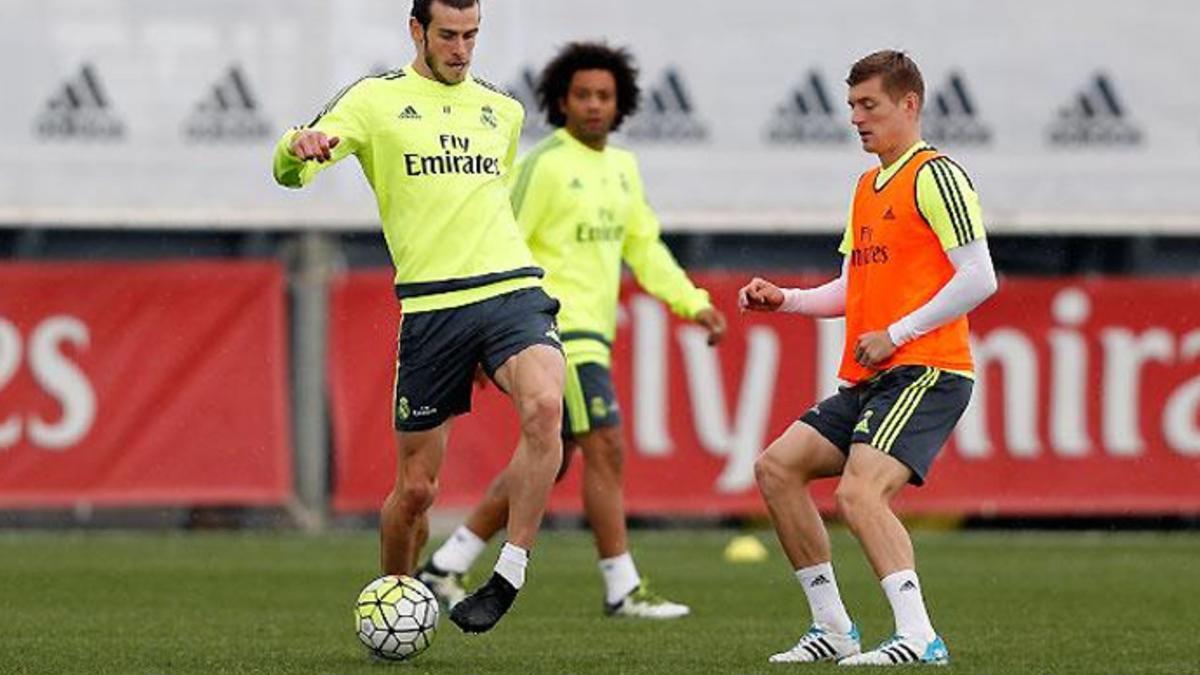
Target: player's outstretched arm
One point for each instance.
(337, 132)
(300, 153)
(825, 301)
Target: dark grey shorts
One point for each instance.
(439, 351)
(907, 412)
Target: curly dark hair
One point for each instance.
(555, 79)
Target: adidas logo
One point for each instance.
(669, 115)
(525, 91)
(821, 580)
(807, 116)
(228, 112)
(908, 586)
(952, 119)
(888, 215)
(79, 110)
(576, 184)
(409, 113)
(864, 424)
(1095, 117)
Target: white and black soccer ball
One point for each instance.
(396, 617)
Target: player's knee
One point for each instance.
(614, 458)
(417, 495)
(770, 474)
(541, 414)
(854, 501)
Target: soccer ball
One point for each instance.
(396, 617)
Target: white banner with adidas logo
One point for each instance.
(1070, 116)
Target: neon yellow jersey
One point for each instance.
(437, 157)
(945, 196)
(583, 211)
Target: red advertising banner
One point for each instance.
(1087, 401)
(143, 384)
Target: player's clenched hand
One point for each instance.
(873, 348)
(760, 295)
(312, 144)
(714, 321)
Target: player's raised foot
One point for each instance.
(479, 611)
(642, 603)
(819, 644)
(903, 651)
(447, 586)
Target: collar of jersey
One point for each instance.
(434, 86)
(573, 142)
(886, 173)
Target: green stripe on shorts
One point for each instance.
(576, 403)
(903, 409)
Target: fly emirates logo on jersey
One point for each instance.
(869, 253)
(455, 158)
(607, 231)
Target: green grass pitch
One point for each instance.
(281, 603)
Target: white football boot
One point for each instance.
(903, 651)
(642, 603)
(447, 586)
(819, 644)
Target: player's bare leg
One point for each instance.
(864, 495)
(444, 571)
(784, 471)
(625, 593)
(603, 502)
(491, 513)
(870, 481)
(534, 380)
(403, 521)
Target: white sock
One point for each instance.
(459, 552)
(821, 589)
(904, 593)
(620, 577)
(511, 564)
